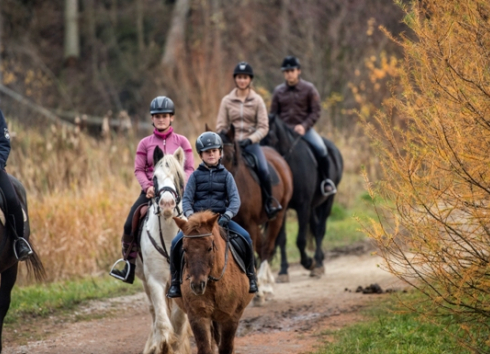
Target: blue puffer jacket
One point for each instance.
(211, 189)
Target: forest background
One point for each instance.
(77, 78)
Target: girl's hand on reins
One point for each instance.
(150, 192)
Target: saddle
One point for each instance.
(137, 224)
(238, 248)
(252, 164)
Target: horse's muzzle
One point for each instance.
(198, 288)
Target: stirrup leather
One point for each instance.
(21, 239)
(329, 182)
(114, 267)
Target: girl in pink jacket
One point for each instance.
(162, 112)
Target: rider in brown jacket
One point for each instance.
(297, 103)
(246, 110)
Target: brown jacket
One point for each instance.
(249, 118)
(299, 104)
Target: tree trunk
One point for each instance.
(72, 39)
(139, 25)
(176, 35)
(285, 27)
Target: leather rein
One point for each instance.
(162, 250)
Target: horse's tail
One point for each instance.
(35, 266)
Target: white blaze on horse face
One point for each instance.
(167, 200)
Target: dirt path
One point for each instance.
(294, 321)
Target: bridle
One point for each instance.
(156, 200)
(210, 277)
(158, 195)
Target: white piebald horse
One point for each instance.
(169, 333)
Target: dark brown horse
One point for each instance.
(8, 262)
(214, 289)
(252, 214)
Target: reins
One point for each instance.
(210, 277)
(163, 251)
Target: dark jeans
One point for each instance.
(142, 199)
(13, 203)
(316, 142)
(263, 170)
(232, 225)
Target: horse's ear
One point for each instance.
(181, 223)
(231, 133)
(157, 155)
(211, 221)
(207, 128)
(180, 156)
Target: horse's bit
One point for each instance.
(210, 277)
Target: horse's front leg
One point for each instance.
(228, 331)
(318, 225)
(303, 220)
(162, 338)
(9, 277)
(201, 327)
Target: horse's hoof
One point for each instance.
(282, 278)
(258, 301)
(317, 272)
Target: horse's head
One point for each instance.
(168, 180)
(280, 136)
(231, 149)
(200, 236)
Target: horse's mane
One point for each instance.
(170, 163)
(196, 220)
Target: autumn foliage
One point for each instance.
(435, 234)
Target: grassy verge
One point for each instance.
(388, 329)
(56, 298)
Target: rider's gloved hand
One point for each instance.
(244, 143)
(224, 220)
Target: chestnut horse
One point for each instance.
(8, 262)
(214, 289)
(252, 214)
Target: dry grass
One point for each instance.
(79, 193)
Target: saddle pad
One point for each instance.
(238, 250)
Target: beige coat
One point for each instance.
(249, 118)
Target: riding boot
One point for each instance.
(251, 269)
(129, 258)
(269, 200)
(22, 249)
(175, 265)
(327, 186)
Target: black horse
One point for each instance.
(8, 262)
(311, 206)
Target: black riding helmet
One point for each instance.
(290, 62)
(162, 104)
(207, 141)
(243, 68)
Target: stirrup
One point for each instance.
(117, 276)
(329, 182)
(21, 239)
(272, 213)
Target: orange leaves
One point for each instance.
(436, 163)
